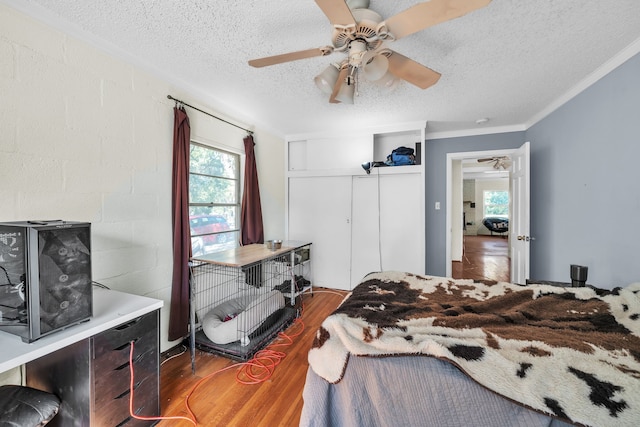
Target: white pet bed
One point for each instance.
(237, 318)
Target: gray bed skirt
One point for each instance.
(410, 391)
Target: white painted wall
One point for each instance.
(85, 136)
(469, 200)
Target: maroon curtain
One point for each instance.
(179, 313)
(251, 217)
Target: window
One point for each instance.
(214, 199)
(496, 203)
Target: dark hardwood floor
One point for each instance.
(484, 258)
(220, 400)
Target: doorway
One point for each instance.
(485, 217)
(479, 257)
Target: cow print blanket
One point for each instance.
(572, 353)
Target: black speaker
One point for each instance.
(45, 276)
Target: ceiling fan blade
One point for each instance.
(411, 71)
(339, 82)
(337, 11)
(291, 56)
(427, 14)
(488, 159)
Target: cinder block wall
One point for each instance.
(86, 136)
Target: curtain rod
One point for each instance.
(209, 114)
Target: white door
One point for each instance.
(320, 212)
(402, 216)
(457, 223)
(388, 224)
(365, 230)
(519, 237)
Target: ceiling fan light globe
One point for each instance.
(326, 80)
(375, 68)
(346, 93)
(388, 81)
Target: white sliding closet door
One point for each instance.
(365, 232)
(320, 212)
(388, 225)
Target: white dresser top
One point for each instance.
(110, 308)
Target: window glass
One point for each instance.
(496, 203)
(208, 161)
(214, 199)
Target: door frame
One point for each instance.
(451, 157)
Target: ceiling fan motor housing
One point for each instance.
(357, 4)
(366, 24)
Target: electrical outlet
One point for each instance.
(437, 206)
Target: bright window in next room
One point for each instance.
(214, 199)
(496, 203)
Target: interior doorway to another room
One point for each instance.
(474, 251)
(486, 194)
(517, 173)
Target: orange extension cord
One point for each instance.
(255, 371)
(258, 369)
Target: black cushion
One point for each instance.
(26, 407)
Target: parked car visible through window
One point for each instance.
(207, 227)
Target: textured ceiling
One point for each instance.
(510, 62)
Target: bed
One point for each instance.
(410, 350)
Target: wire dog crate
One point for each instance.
(242, 298)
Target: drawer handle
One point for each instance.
(127, 325)
(138, 411)
(123, 394)
(126, 365)
(126, 393)
(126, 345)
(125, 421)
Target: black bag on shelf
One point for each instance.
(401, 156)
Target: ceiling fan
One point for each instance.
(361, 33)
(499, 162)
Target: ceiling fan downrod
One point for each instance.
(357, 49)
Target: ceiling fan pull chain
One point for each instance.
(356, 83)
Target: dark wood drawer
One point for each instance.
(111, 353)
(113, 382)
(115, 412)
(118, 358)
(92, 379)
(118, 338)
